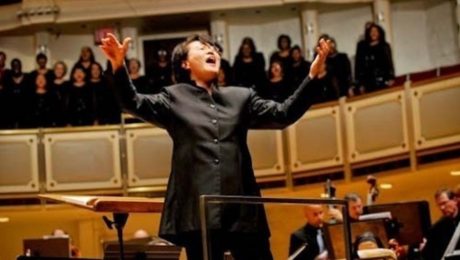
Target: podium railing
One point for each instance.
(206, 200)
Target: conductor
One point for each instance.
(208, 126)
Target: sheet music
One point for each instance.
(81, 200)
(379, 215)
(109, 203)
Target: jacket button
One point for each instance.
(216, 161)
(212, 106)
(216, 141)
(214, 121)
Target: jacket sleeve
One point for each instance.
(153, 108)
(268, 114)
(294, 244)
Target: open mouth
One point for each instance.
(211, 60)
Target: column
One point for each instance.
(132, 32)
(89, 238)
(310, 31)
(41, 44)
(382, 16)
(458, 21)
(219, 33)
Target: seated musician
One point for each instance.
(307, 243)
(142, 235)
(74, 251)
(355, 208)
(367, 240)
(442, 231)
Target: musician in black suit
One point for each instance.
(307, 243)
(442, 231)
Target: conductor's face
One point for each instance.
(203, 61)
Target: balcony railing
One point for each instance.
(403, 122)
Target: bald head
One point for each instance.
(314, 214)
(141, 233)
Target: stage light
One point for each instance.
(4, 220)
(455, 173)
(324, 196)
(386, 186)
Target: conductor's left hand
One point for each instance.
(318, 67)
(115, 51)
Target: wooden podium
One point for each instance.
(120, 207)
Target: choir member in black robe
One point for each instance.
(80, 108)
(249, 66)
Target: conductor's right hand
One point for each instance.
(115, 51)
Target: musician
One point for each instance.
(442, 231)
(307, 243)
(74, 251)
(209, 128)
(457, 195)
(355, 206)
(367, 240)
(373, 191)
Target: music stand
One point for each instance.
(333, 234)
(208, 200)
(47, 247)
(410, 220)
(120, 207)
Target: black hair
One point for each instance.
(249, 41)
(367, 34)
(135, 60)
(15, 60)
(279, 62)
(284, 37)
(40, 56)
(91, 58)
(324, 36)
(100, 69)
(180, 53)
(219, 47)
(78, 67)
(295, 48)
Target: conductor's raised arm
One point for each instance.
(115, 51)
(270, 114)
(151, 108)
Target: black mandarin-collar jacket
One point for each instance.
(210, 153)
